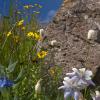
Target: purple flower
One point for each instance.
(76, 81)
(83, 75)
(70, 88)
(5, 82)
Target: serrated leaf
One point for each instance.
(11, 66)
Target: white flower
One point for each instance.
(38, 87)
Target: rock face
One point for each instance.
(69, 28)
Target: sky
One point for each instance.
(46, 12)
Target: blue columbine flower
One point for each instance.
(5, 82)
(70, 88)
(83, 75)
(76, 81)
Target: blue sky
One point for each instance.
(46, 13)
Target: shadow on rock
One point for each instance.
(96, 78)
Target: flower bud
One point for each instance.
(38, 87)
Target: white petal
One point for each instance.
(66, 95)
(87, 78)
(70, 74)
(98, 98)
(93, 98)
(90, 82)
(61, 87)
(66, 78)
(82, 70)
(80, 82)
(76, 95)
(97, 93)
(67, 84)
(75, 69)
(88, 73)
(74, 78)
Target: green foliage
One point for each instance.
(19, 61)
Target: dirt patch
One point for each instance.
(69, 28)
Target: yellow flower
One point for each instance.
(23, 28)
(9, 33)
(42, 54)
(20, 23)
(51, 71)
(34, 35)
(26, 6)
(30, 34)
(16, 38)
(37, 36)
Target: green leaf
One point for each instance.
(5, 94)
(15, 97)
(2, 70)
(20, 76)
(11, 66)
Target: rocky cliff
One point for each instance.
(69, 28)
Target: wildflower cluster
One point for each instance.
(34, 35)
(28, 6)
(35, 6)
(19, 74)
(30, 34)
(74, 82)
(23, 73)
(22, 55)
(32, 6)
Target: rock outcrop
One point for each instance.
(70, 28)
